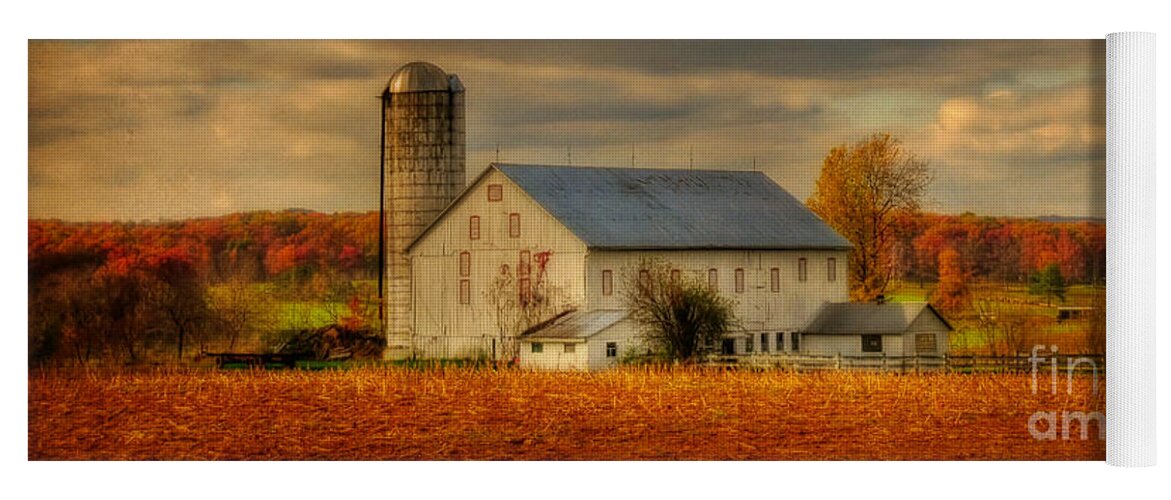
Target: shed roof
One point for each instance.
(644, 209)
(853, 318)
(576, 325)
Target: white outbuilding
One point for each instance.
(859, 330)
(581, 341)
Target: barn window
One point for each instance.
(465, 292)
(796, 342)
(524, 290)
(801, 269)
(644, 281)
(924, 343)
(739, 280)
(514, 225)
(775, 279)
(569, 348)
(611, 349)
(524, 266)
(764, 342)
(495, 192)
(474, 227)
(674, 276)
(872, 343)
(538, 347)
(713, 279)
(831, 269)
(607, 282)
(748, 347)
(465, 264)
(780, 341)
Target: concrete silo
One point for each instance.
(422, 172)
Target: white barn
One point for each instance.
(572, 236)
(528, 262)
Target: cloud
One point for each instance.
(168, 129)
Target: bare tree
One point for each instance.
(678, 313)
(242, 310)
(1096, 328)
(178, 298)
(523, 300)
(1004, 329)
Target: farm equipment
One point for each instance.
(259, 360)
(328, 343)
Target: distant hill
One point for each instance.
(1070, 218)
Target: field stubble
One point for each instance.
(631, 413)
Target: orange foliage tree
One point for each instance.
(952, 295)
(862, 190)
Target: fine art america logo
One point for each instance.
(1044, 425)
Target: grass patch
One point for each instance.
(309, 315)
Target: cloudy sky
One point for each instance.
(173, 129)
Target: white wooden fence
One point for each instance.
(1078, 363)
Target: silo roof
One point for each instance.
(418, 77)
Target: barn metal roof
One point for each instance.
(642, 208)
(854, 318)
(576, 325)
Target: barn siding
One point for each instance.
(625, 333)
(590, 353)
(758, 308)
(928, 322)
(442, 327)
(848, 345)
(554, 356)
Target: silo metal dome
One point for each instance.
(418, 77)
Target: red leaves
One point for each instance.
(350, 257)
(280, 241)
(1001, 248)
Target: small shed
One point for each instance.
(904, 329)
(1073, 312)
(585, 340)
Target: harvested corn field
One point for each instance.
(685, 414)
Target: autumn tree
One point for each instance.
(1048, 282)
(678, 313)
(242, 310)
(952, 294)
(178, 298)
(861, 190)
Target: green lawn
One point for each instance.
(1013, 297)
(308, 315)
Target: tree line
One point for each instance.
(116, 290)
(126, 292)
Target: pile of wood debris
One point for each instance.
(336, 342)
